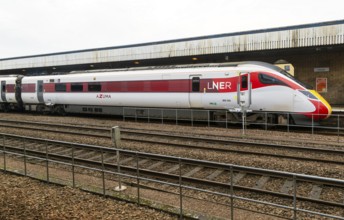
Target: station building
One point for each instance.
(314, 53)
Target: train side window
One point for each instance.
(94, 87)
(266, 79)
(244, 82)
(76, 87)
(195, 84)
(60, 87)
(3, 88)
(40, 88)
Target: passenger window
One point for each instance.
(76, 87)
(195, 84)
(60, 87)
(94, 87)
(40, 88)
(3, 88)
(244, 82)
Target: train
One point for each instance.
(225, 90)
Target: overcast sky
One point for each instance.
(30, 27)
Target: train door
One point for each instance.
(40, 91)
(244, 90)
(3, 91)
(195, 94)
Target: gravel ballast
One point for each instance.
(246, 160)
(25, 198)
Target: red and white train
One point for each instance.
(260, 87)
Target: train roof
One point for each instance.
(186, 66)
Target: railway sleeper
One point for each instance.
(316, 192)
(261, 182)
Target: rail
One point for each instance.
(182, 188)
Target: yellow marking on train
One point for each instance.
(316, 94)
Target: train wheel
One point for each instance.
(40, 109)
(5, 108)
(59, 110)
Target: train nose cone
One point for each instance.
(323, 108)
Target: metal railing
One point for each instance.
(182, 187)
(333, 124)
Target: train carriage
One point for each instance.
(257, 86)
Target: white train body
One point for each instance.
(182, 88)
(8, 89)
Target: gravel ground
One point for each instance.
(24, 198)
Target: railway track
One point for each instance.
(273, 186)
(331, 154)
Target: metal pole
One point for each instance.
(243, 122)
(226, 119)
(176, 116)
(119, 171)
(162, 116)
(47, 160)
(232, 193)
(4, 149)
(148, 116)
(288, 121)
(103, 168)
(73, 167)
(208, 118)
(191, 118)
(294, 197)
(180, 189)
(266, 121)
(338, 126)
(312, 124)
(138, 179)
(25, 168)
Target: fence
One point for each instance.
(310, 124)
(185, 193)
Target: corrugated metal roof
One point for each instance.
(310, 35)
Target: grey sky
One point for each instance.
(29, 27)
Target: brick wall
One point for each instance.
(304, 71)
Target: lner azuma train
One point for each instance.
(260, 87)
